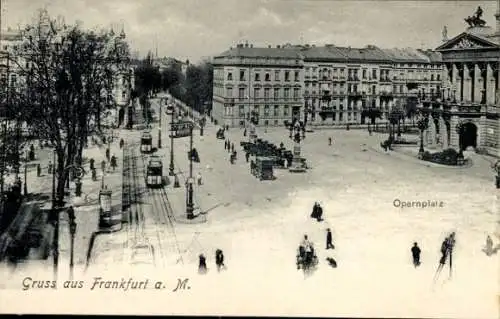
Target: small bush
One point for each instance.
(446, 157)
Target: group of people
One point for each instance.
(230, 149)
(317, 212)
(219, 262)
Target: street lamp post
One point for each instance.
(189, 204)
(159, 125)
(171, 166)
(55, 216)
(422, 123)
(72, 232)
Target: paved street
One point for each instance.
(260, 223)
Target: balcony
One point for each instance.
(354, 94)
(353, 78)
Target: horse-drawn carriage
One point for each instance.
(306, 258)
(220, 134)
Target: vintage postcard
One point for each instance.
(261, 157)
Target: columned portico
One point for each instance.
(468, 113)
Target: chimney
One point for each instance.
(269, 46)
(278, 46)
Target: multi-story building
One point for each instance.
(263, 81)
(10, 79)
(335, 85)
(469, 113)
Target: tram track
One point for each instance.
(163, 217)
(133, 196)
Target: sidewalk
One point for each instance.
(87, 207)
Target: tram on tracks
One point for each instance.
(181, 128)
(146, 142)
(154, 172)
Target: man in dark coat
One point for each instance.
(329, 239)
(415, 252)
(202, 265)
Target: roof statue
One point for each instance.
(445, 33)
(475, 20)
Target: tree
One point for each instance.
(147, 76)
(69, 76)
(198, 85)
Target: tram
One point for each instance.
(146, 142)
(181, 128)
(154, 172)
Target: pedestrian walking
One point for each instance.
(38, 170)
(219, 260)
(108, 154)
(247, 156)
(245, 132)
(92, 164)
(329, 239)
(329, 141)
(198, 178)
(415, 252)
(113, 162)
(488, 249)
(103, 165)
(232, 147)
(94, 174)
(446, 251)
(202, 264)
(50, 167)
(122, 142)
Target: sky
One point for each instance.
(195, 29)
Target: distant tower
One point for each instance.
(445, 33)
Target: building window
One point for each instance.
(266, 122)
(297, 76)
(266, 93)
(276, 122)
(266, 110)
(296, 93)
(256, 93)
(268, 77)
(401, 89)
(256, 109)
(374, 73)
(276, 75)
(241, 111)
(230, 76)
(286, 110)
(242, 123)
(438, 77)
(124, 94)
(276, 110)
(364, 73)
(229, 92)
(13, 79)
(276, 93)
(286, 93)
(257, 77)
(374, 89)
(287, 76)
(241, 93)
(242, 75)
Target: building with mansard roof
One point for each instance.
(468, 114)
(322, 85)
